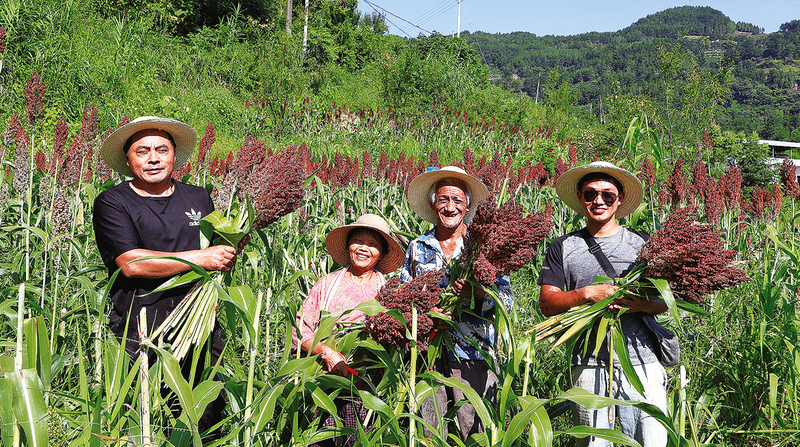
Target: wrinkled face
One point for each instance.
(365, 251)
(450, 204)
(151, 157)
(600, 200)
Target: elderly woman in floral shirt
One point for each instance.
(367, 251)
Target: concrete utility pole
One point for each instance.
(305, 30)
(459, 17)
(288, 16)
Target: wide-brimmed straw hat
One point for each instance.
(112, 148)
(567, 186)
(336, 243)
(419, 191)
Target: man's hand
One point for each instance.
(465, 290)
(638, 304)
(217, 257)
(598, 292)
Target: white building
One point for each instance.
(782, 150)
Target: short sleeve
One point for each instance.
(114, 230)
(553, 265)
(308, 316)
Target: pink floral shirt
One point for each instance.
(336, 294)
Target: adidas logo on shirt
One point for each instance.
(194, 216)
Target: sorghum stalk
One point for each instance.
(144, 378)
(412, 398)
(251, 370)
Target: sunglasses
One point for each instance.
(608, 197)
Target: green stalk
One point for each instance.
(144, 379)
(248, 410)
(611, 372)
(412, 398)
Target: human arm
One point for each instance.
(638, 304)
(217, 257)
(334, 360)
(553, 300)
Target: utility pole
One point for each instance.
(459, 17)
(305, 31)
(289, 17)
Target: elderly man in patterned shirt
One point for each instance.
(448, 198)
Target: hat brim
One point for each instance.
(567, 187)
(336, 244)
(112, 148)
(418, 193)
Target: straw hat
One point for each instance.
(112, 148)
(419, 191)
(567, 186)
(336, 243)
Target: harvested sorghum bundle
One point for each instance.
(501, 240)
(690, 256)
(423, 293)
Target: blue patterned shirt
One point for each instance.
(425, 254)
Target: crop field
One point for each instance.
(66, 381)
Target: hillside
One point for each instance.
(764, 80)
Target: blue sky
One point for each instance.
(409, 17)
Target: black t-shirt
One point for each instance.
(124, 221)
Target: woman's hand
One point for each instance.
(335, 361)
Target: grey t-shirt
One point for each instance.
(568, 265)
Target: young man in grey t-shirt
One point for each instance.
(603, 193)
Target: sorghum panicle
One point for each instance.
(206, 143)
(789, 179)
(502, 238)
(648, 174)
(34, 98)
(274, 186)
(690, 256)
(676, 184)
(421, 293)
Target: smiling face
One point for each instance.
(596, 208)
(151, 157)
(365, 251)
(450, 204)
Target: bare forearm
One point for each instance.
(218, 257)
(553, 301)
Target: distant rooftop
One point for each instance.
(777, 144)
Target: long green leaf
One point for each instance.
(29, 407)
(171, 371)
(532, 410)
(471, 395)
(621, 346)
(582, 431)
(321, 399)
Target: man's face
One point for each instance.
(600, 200)
(151, 157)
(450, 204)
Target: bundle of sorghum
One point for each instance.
(690, 256)
(271, 185)
(501, 240)
(421, 293)
(274, 187)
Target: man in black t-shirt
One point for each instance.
(603, 193)
(152, 214)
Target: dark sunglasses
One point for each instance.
(608, 197)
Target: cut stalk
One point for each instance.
(412, 398)
(144, 378)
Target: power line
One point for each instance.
(435, 12)
(374, 6)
